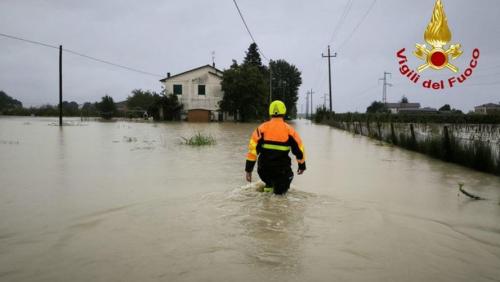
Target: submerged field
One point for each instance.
(126, 201)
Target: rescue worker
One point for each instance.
(271, 142)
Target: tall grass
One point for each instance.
(199, 140)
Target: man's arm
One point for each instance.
(298, 150)
(252, 154)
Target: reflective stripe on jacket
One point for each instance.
(272, 141)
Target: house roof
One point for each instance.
(403, 105)
(217, 71)
(489, 105)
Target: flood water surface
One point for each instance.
(124, 201)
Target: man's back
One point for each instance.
(271, 143)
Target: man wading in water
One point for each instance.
(272, 141)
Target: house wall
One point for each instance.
(190, 81)
(486, 110)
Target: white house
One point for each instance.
(199, 90)
(487, 108)
(402, 107)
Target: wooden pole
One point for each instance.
(60, 86)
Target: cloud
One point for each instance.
(173, 36)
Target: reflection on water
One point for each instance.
(127, 202)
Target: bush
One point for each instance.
(107, 107)
(322, 114)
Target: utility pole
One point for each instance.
(307, 105)
(324, 100)
(384, 88)
(270, 83)
(312, 109)
(311, 93)
(60, 86)
(329, 72)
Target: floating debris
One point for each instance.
(9, 142)
(472, 196)
(129, 139)
(147, 148)
(69, 123)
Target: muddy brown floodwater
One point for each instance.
(124, 201)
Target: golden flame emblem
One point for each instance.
(437, 35)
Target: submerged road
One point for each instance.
(127, 202)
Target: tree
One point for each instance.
(70, 108)
(142, 99)
(253, 56)
(89, 109)
(404, 100)
(8, 103)
(107, 107)
(377, 107)
(246, 86)
(445, 108)
(286, 80)
(170, 106)
(245, 92)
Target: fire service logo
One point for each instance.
(437, 56)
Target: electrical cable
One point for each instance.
(248, 29)
(341, 21)
(81, 55)
(358, 25)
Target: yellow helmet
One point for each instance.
(277, 108)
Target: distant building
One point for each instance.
(121, 106)
(131, 112)
(199, 91)
(425, 110)
(402, 107)
(489, 108)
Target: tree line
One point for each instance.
(141, 103)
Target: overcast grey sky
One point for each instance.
(174, 36)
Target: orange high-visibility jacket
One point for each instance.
(271, 142)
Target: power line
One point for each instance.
(248, 29)
(358, 25)
(29, 41)
(81, 55)
(341, 21)
(111, 63)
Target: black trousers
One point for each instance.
(279, 178)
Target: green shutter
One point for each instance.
(178, 89)
(201, 89)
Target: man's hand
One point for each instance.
(300, 171)
(249, 176)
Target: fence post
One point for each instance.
(446, 144)
(413, 143)
(393, 135)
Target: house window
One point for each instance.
(177, 89)
(201, 89)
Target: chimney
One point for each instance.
(213, 65)
(168, 75)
